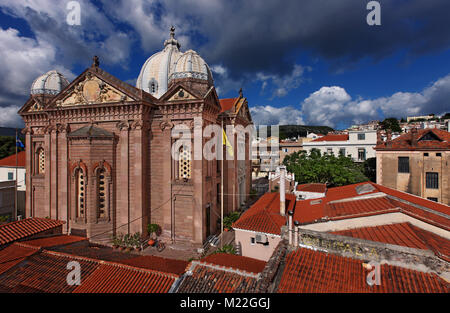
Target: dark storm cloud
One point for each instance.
(251, 36)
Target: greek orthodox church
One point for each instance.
(98, 150)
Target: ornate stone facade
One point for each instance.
(99, 158)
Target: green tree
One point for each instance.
(370, 169)
(8, 146)
(327, 169)
(392, 124)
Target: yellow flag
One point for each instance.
(227, 143)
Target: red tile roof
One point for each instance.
(207, 279)
(404, 142)
(264, 215)
(227, 104)
(28, 227)
(10, 161)
(13, 255)
(115, 278)
(45, 272)
(332, 137)
(156, 263)
(53, 241)
(320, 188)
(331, 207)
(312, 271)
(235, 261)
(401, 234)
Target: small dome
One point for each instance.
(50, 83)
(155, 72)
(190, 64)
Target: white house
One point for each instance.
(8, 169)
(356, 144)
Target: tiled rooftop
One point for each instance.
(404, 142)
(235, 261)
(114, 278)
(25, 228)
(320, 188)
(157, 263)
(309, 271)
(264, 216)
(227, 103)
(332, 137)
(13, 255)
(208, 279)
(10, 161)
(54, 241)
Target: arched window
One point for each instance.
(41, 161)
(184, 163)
(81, 193)
(101, 193)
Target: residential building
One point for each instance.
(99, 151)
(356, 144)
(367, 204)
(289, 147)
(417, 162)
(8, 172)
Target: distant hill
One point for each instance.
(290, 131)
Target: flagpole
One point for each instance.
(15, 185)
(221, 192)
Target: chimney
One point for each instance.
(282, 190)
(291, 230)
(388, 135)
(296, 224)
(414, 137)
(379, 141)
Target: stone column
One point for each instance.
(28, 170)
(54, 173)
(63, 181)
(123, 203)
(137, 178)
(198, 180)
(48, 173)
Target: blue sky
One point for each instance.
(313, 62)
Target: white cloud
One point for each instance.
(22, 59)
(269, 115)
(331, 105)
(9, 116)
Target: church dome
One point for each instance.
(155, 72)
(190, 64)
(50, 83)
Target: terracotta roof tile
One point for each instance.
(28, 227)
(332, 137)
(235, 261)
(320, 188)
(401, 234)
(157, 263)
(45, 272)
(53, 241)
(264, 215)
(13, 255)
(10, 161)
(404, 142)
(227, 104)
(206, 279)
(111, 278)
(318, 272)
